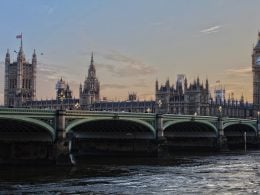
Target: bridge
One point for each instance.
(39, 134)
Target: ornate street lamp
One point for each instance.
(220, 111)
(61, 98)
(257, 120)
(77, 106)
(159, 102)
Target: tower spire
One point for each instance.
(21, 41)
(92, 58)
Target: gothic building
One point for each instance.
(183, 98)
(63, 90)
(63, 99)
(20, 79)
(89, 94)
(256, 75)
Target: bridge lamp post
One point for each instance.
(61, 98)
(77, 106)
(220, 111)
(159, 105)
(257, 121)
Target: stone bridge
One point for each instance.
(49, 134)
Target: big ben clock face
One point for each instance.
(257, 61)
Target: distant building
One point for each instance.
(20, 79)
(182, 99)
(256, 76)
(90, 93)
(63, 98)
(63, 90)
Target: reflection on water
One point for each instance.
(231, 173)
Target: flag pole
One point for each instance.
(21, 40)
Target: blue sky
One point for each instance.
(134, 42)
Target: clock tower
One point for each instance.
(256, 75)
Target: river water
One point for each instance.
(225, 173)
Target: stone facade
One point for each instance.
(182, 99)
(20, 79)
(89, 94)
(195, 99)
(256, 75)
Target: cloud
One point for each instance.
(238, 80)
(125, 66)
(236, 72)
(113, 86)
(53, 72)
(241, 71)
(48, 71)
(108, 67)
(212, 29)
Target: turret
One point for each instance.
(90, 92)
(207, 84)
(80, 89)
(156, 85)
(198, 81)
(21, 55)
(34, 65)
(242, 99)
(167, 84)
(92, 69)
(7, 58)
(34, 57)
(7, 63)
(185, 84)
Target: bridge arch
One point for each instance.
(109, 137)
(105, 124)
(33, 129)
(204, 123)
(187, 134)
(234, 132)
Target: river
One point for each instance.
(225, 173)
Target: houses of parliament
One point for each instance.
(180, 98)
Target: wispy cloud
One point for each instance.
(113, 86)
(236, 80)
(53, 72)
(126, 66)
(212, 29)
(240, 71)
(48, 71)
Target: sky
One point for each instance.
(134, 42)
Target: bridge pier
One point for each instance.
(61, 145)
(222, 140)
(162, 147)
